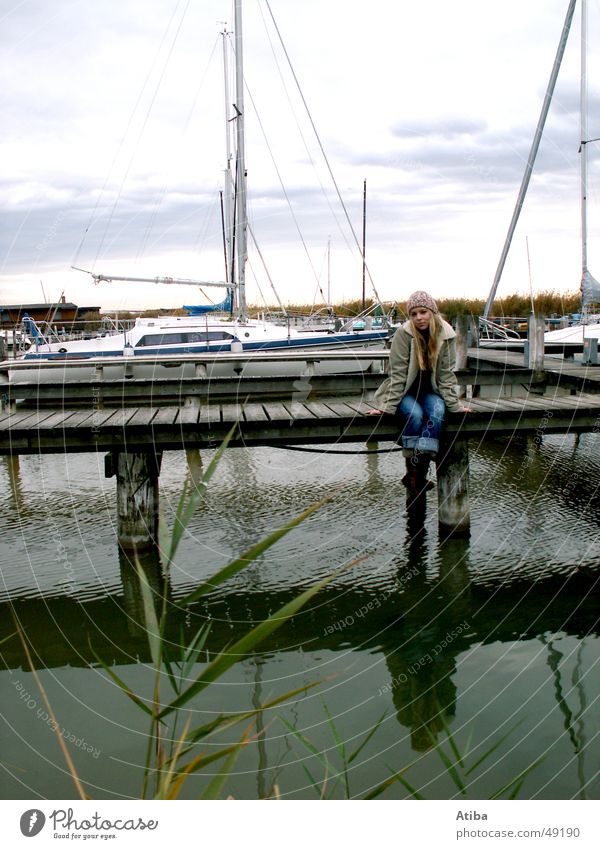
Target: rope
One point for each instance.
(335, 451)
(322, 149)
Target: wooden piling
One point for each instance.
(534, 348)
(137, 498)
(462, 341)
(454, 516)
(467, 336)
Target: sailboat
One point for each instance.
(590, 287)
(203, 331)
(494, 335)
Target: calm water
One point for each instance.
(492, 636)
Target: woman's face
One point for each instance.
(421, 317)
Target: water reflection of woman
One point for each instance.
(421, 385)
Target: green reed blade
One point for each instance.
(493, 748)
(313, 781)
(450, 766)
(213, 791)
(224, 661)
(188, 504)
(397, 776)
(518, 781)
(240, 563)
(121, 684)
(305, 742)
(224, 721)
(337, 739)
(357, 751)
(153, 631)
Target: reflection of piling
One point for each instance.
(137, 497)
(148, 560)
(453, 488)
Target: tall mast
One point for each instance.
(240, 169)
(590, 288)
(228, 191)
(532, 155)
(364, 241)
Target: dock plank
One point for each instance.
(143, 417)
(299, 410)
(118, 419)
(188, 416)
(276, 412)
(165, 417)
(231, 413)
(255, 413)
(320, 410)
(57, 420)
(21, 420)
(210, 414)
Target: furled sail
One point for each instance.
(590, 289)
(201, 309)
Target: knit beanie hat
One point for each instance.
(421, 299)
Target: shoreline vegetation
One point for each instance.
(548, 302)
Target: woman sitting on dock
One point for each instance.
(421, 386)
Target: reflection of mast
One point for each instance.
(577, 740)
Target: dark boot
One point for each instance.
(422, 466)
(411, 478)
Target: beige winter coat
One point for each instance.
(404, 369)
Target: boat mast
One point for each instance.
(364, 242)
(241, 221)
(590, 288)
(228, 181)
(532, 155)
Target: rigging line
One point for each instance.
(144, 124)
(318, 138)
(319, 287)
(302, 135)
(262, 259)
(192, 110)
(122, 142)
(257, 284)
(281, 183)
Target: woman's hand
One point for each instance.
(467, 410)
(375, 413)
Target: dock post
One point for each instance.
(534, 349)
(137, 497)
(462, 346)
(462, 340)
(5, 398)
(590, 351)
(454, 516)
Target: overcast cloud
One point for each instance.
(112, 147)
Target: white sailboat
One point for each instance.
(493, 335)
(169, 336)
(587, 328)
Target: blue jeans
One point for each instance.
(422, 419)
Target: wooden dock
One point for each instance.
(275, 423)
(541, 396)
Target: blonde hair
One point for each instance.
(427, 354)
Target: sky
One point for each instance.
(112, 148)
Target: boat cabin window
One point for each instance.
(157, 339)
